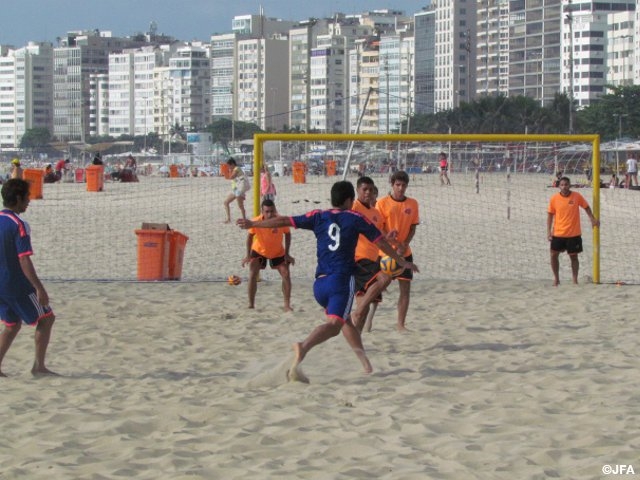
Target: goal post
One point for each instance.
(439, 140)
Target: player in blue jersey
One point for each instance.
(336, 232)
(22, 295)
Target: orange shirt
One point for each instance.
(566, 211)
(268, 242)
(365, 248)
(399, 216)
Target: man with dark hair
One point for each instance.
(401, 217)
(23, 298)
(563, 227)
(266, 244)
(337, 231)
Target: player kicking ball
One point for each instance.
(336, 231)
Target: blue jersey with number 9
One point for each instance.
(337, 234)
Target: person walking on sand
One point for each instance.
(632, 171)
(23, 298)
(401, 217)
(337, 231)
(563, 227)
(444, 168)
(267, 187)
(266, 244)
(239, 185)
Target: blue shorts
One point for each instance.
(335, 293)
(25, 308)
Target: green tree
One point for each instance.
(35, 138)
(616, 111)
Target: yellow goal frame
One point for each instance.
(260, 138)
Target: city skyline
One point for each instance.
(45, 20)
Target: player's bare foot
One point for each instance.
(362, 356)
(294, 374)
(43, 372)
(3, 375)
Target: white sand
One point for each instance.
(497, 380)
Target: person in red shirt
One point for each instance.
(444, 168)
(267, 245)
(61, 168)
(563, 227)
(401, 217)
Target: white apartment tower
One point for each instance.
(26, 93)
(99, 104)
(364, 71)
(455, 52)
(262, 93)
(620, 48)
(190, 99)
(423, 101)
(395, 83)
(80, 55)
(584, 34)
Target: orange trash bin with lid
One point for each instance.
(35, 177)
(95, 178)
(299, 172)
(173, 171)
(177, 244)
(153, 254)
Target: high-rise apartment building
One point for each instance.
(621, 36)
(584, 35)
(26, 94)
(424, 62)
(395, 83)
(79, 55)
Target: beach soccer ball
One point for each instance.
(234, 280)
(389, 266)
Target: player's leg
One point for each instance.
(575, 266)
(7, 336)
(368, 323)
(42, 337)
(283, 269)
(403, 302)
(555, 267)
(352, 335)
(252, 284)
(241, 206)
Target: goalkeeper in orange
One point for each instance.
(269, 245)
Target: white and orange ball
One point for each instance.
(389, 266)
(234, 280)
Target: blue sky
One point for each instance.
(44, 20)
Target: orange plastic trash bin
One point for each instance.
(299, 172)
(95, 178)
(35, 177)
(177, 244)
(173, 171)
(79, 175)
(153, 254)
(330, 166)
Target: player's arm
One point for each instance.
(249, 244)
(594, 221)
(274, 222)
(550, 217)
(287, 244)
(404, 246)
(386, 247)
(30, 272)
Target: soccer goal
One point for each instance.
(489, 224)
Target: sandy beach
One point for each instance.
(498, 378)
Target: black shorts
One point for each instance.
(407, 274)
(572, 245)
(274, 262)
(365, 275)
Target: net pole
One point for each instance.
(596, 207)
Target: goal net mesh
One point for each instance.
(489, 224)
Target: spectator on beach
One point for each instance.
(632, 172)
(563, 227)
(401, 217)
(49, 175)
(267, 187)
(62, 166)
(613, 183)
(16, 169)
(97, 160)
(444, 168)
(269, 245)
(239, 186)
(23, 298)
(337, 231)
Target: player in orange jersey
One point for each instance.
(267, 245)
